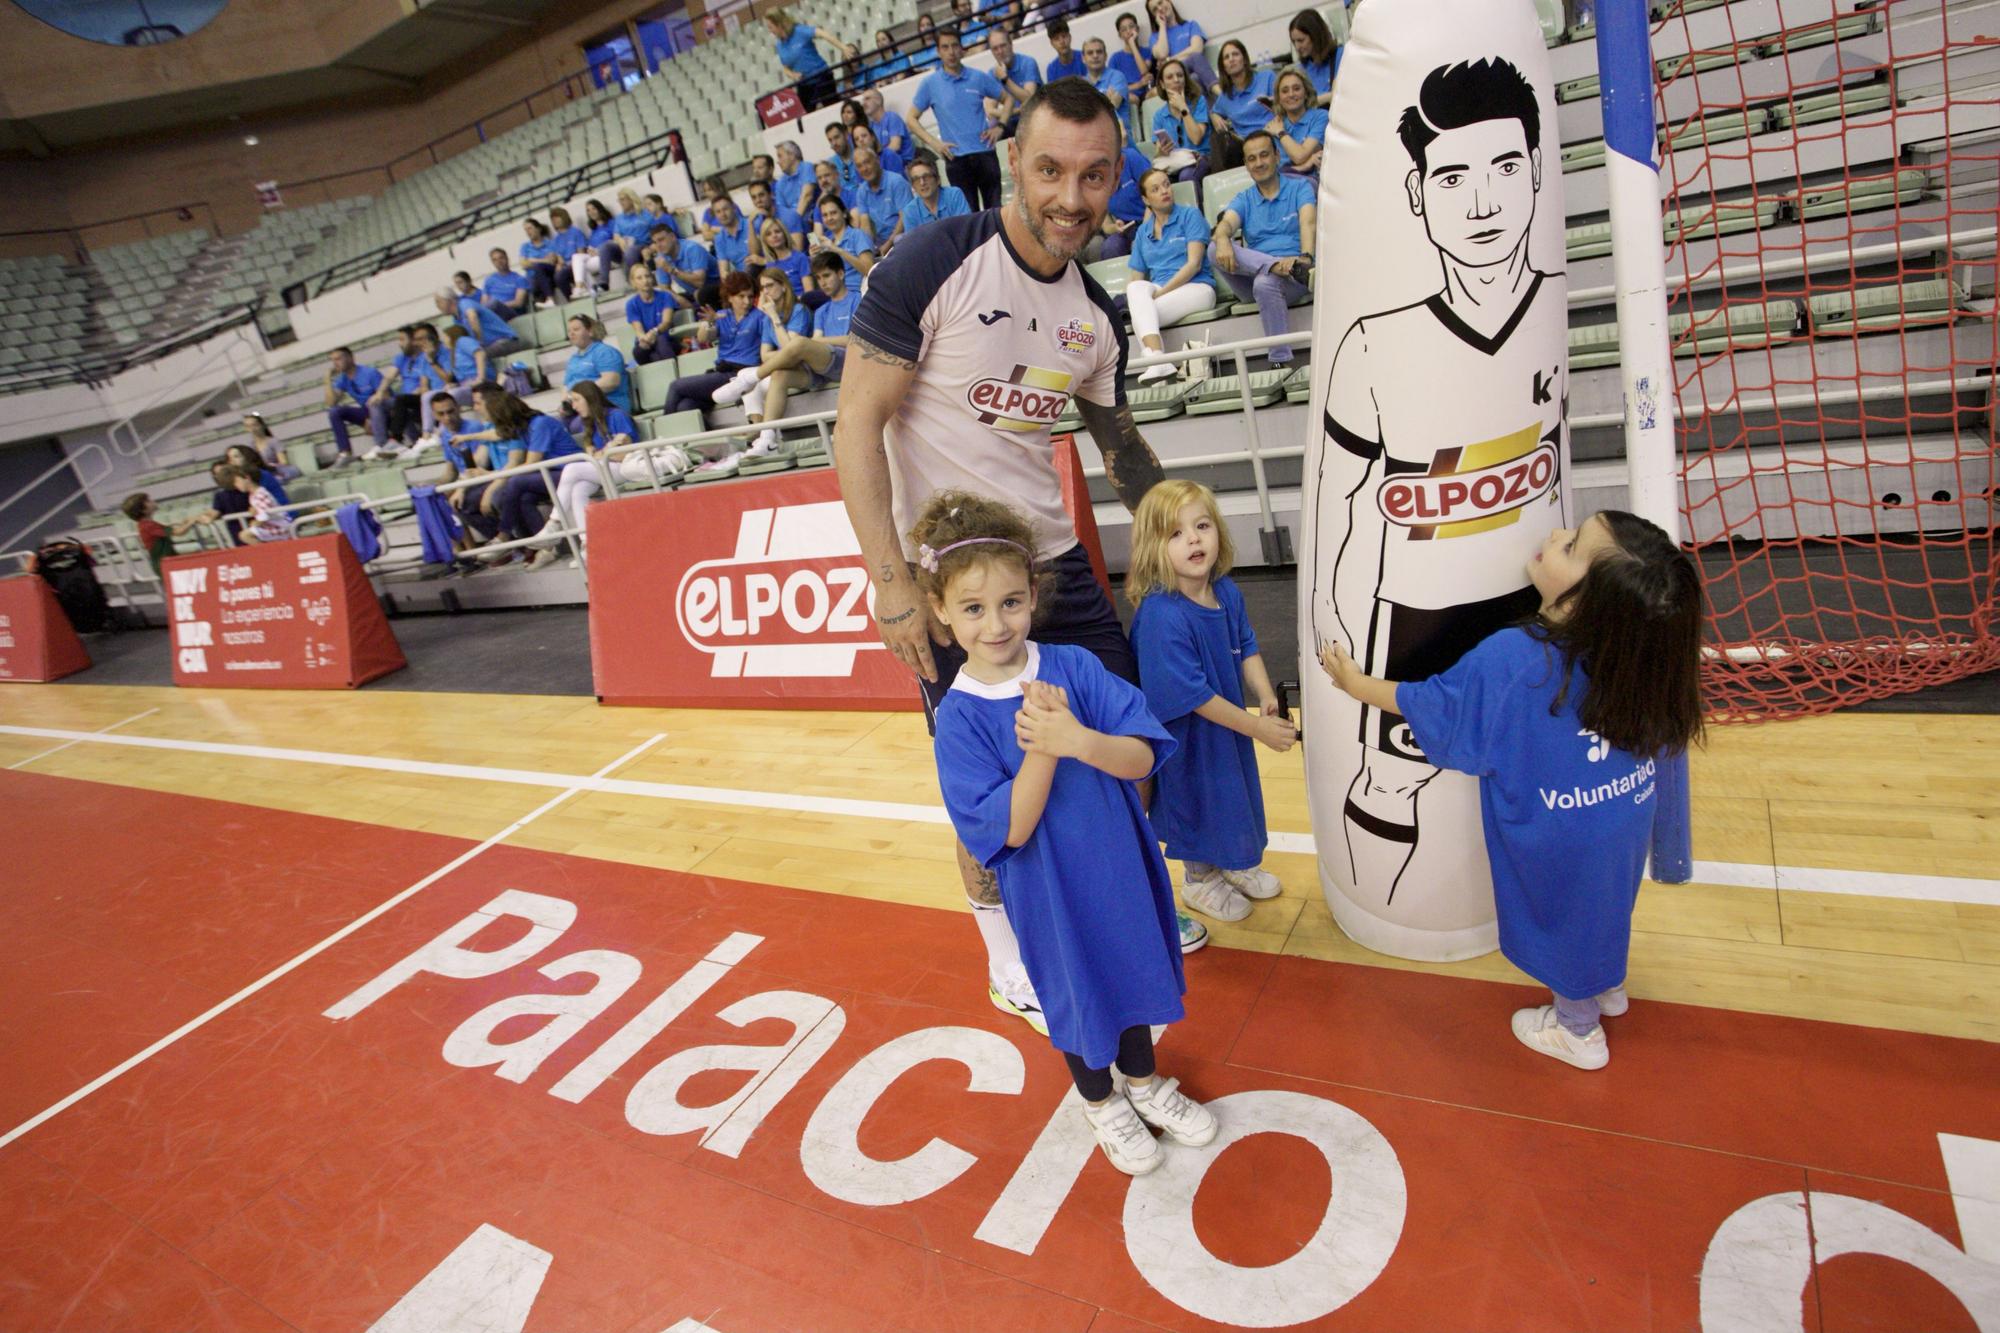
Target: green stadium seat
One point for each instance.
(698, 362)
(1158, 401)
(1861, 196)
(1897, 305)
(1840, 104)
(1222, 393)
(1583, 156)
(1113, 275)
(1720, 219)
(1220, 188)
(1817, 34)
(650, 384)
(1587, 240)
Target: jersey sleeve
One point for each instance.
(1104, 702)
(894, 308)
(1467, 718)
(1351, 419)
(1170, 669)
(978, 788)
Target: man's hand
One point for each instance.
(908, 627)
(991, 134)
(1223, 254)
(1284, 267)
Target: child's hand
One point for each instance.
(1045, 725)
(1347, 676)
(1275, 732)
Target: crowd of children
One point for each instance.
(1065, 780)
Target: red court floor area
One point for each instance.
(549, 1093)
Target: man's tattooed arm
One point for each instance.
(870, 352)
(1129, 462)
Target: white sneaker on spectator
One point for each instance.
(1154, 374)
(1161, 1104)
(1614, 1002)
(1211, 895)
(426, 442)
(369, 455)
(1124, 1138)
(721, 467)
(763, 446)
(732, 392)
(1539, 1029)
(1256, 882)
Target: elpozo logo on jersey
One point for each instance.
(1029, 399)
(1079, 335)
(1470, 490)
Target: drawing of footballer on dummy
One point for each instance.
(1441, 471)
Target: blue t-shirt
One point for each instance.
(1109, 82)
(459, 455)
(886, 67)
(798, 322)
(545, 436)
(359, 383)
(1311, 125)
(616, 422)
(786, 187)
(637, 227)
(733, 246)
(601, 235)
(832, 319)
(883, 202)
(504, 288)
(690, 255)
(797, 53)
(1067, 69)
(971, 32)
(1272, 225)
(1024, 71)
(960, 107)
(597, 359)
(1087, 894)
(849, 178)
(644, 315)
(1320, 72)
(1127, 68)
(1164, 120)
(568, 241)
(1126, 203)
(950, 204)
(483, 323)
(536, 250)
(1207, 802)
(787, 219)
(1158, 259)
(738, 340)
(854, 241)
(798, 267)
(1181, 35)
(1245, 114)
(465, 357)
(1568, 818)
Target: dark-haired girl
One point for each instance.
(1564, 719)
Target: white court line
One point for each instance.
(43, 754)
(574, 786)
(1813, 879)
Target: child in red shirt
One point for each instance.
(155, 538)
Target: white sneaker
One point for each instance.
(721, 467)
(426, 442)
(1255, 882)
(370, 455)
(1154, 374)
(1125, 1140)
(1212, 896)
(1162, 1104)
(1024, 1009)
(763, 446)
(732, 392)
(1613, 1002)
(1540, 1030)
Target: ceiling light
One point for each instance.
(249, 141)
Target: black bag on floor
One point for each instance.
(69, 571)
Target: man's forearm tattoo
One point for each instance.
(870, 352)
(896, 619)
(987, 889)
(1130, 466)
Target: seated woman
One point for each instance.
(1174, 38)
(648, 312)
(267, 447)
(566, 239)
(817, 346)
(1240, 105)
(539, 260)
(737, 332)
(518, 435)
(892, 161)
(834, 232)
(251, 464)
(1180, 128)
(795, 264)
(595, 361)
(1299, 127)
(1316, 54)
(602, 250)
(885, 62)
(634, 223)
(1170, 255)
(608, 428)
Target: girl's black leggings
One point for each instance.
(1135, 1059)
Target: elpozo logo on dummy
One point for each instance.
(1029, 399)
(1474, 489)
(794, 600)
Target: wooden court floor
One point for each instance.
(1848, 866)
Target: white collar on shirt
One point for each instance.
(1006, 689)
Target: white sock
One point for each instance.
(1004, 968)
(753, 401)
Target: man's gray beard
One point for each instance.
(1034, 225)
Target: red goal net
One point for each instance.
(1830, 175)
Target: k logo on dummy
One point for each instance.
(1438, 458)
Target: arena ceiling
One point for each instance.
(391, 56)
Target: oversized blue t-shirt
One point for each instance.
(1568, 818)
(1087, 894)
(1207, 804)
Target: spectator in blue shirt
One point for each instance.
(737, 332)
(886, 62)
(891, 134)
(434, 371)
(923, 48)
(506, 292)
(798, 343)
(1019, 75)
(1176, 38)
(1170, 257)
(1066, 63)
(841, 149)
(602, 251)
(1299, 127)
(764, 207)
(967, 127)
(798, 54)
(355, 395)
(928, 202)
(838, 235)
(827, 184)
(784, 257)
(684, 268)
(1180, 125)
(735, 240)
(566, 239)
(1275, 219)
(461, 461)
(648, 312)
(539, 260)
(864, 137)
(1316, 53)
(879, 200)
(518, 435)
(1106, 80)
(461, 302)
(633, 223)
(1244, 97)
(470, 364)
(1126, 207)
(793, 184)
(599, 362)
(1133, 59)
(971, 32)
